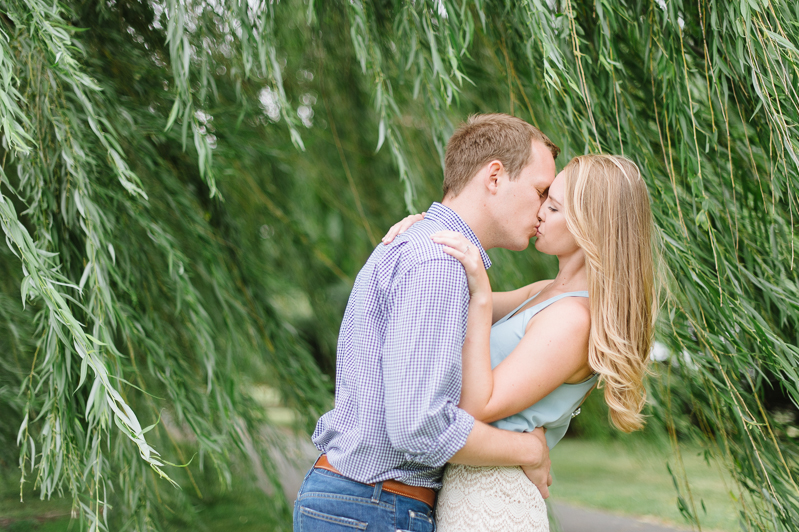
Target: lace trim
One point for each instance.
(488, 499)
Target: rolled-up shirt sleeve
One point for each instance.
(422, 364)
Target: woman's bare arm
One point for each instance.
(554, 350)
(478, 381)
(477, 377)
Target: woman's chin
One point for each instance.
(540, 246)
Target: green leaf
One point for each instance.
(785, 43)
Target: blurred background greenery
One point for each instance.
(190, 187)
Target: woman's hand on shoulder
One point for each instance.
(458, 246)
(401, 226)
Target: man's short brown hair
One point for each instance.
(484, 138)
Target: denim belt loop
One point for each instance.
(376, 493)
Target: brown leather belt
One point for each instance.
(425, 495)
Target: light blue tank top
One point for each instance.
(554, 412)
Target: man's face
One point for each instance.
(519, 200)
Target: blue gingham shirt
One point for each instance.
(398, 365)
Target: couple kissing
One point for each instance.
(449, 396)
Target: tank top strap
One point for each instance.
(544, 304)
(512, 313)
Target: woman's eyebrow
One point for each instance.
(551, 197)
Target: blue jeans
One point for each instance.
(328, 502)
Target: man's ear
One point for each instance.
(493, 172)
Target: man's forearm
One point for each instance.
(489, 446)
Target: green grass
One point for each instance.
(633, 480)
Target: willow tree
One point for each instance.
(189, 187)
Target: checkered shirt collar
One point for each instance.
(450, 219)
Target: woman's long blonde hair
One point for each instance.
(607, 210)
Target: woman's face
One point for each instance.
(553, 236)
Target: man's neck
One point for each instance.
(471, 212)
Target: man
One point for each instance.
(396, 422)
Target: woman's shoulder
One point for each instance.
(571, 315)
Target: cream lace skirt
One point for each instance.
(489, 499)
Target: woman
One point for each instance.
(553, 341)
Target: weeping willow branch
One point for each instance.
(132, 268)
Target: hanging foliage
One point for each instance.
(189, 187)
